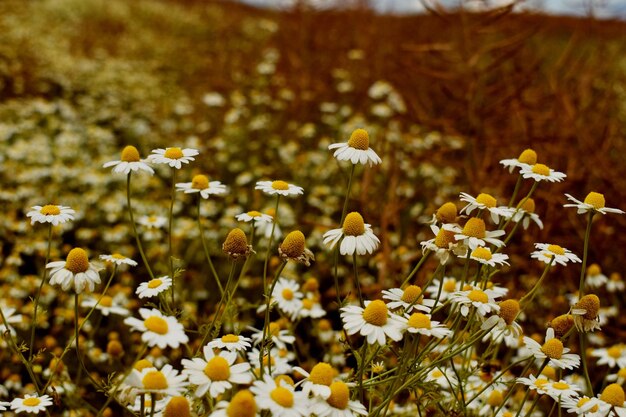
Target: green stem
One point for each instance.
(344, 212)
(582, 337)
(417, 267)
(36, 304)
(531, 294)
(152, 403)
(218, 310)
(357, 284)
(169, 235)
(266, 321)
(132, 223)
(581, 287)
(27, 364)
(269, 244)
(206, 249)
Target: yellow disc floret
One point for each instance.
(156, 325)
(449, 285)
(446, 213)
(242, 405)
(230, 338)
(50, 210)
(217, 369)
(562, 324)
(591, 304)
(556, 249)
(177, 407)
(593, 270)
(280, 185)
(614, 395)
(130, 154)
(353, 225)
(553, 349)
(495, 398)
(585, 400)
(411, 294)
(528, 205)
(77, 261)
(154, 283)
(444, 238)
(322, 374)
(339, 395)
(143, 364)
(200, 182)
(359, 139)
(486, 199)
(509, 309)
(106, 301)
(287, 294)
(31, 402)
(475, 227)
(481, 253)
(376, 313)
(154, 380)
(528, 156)
(419, 321)
(478, 296)
(541, 169)
(173, 153)
(293, 244)
(596, 200)
(282, 396)
(236, 242)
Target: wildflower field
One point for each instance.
(215, 210)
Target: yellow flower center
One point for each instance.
(106, 301)
(285, 378)
(593, 270)
(590, 303)
(154, 380)
(311, 285)
(77, 261)
(173, 153)
(254, 213)
(307, 304)
(50, 210)
(411, 294)
(528, 205)
(274, 328)
(236, 242)
(293, 245)
(478, 296)
(156, 325)
(528, 156)
(562, 324)
(553, 349)
(217, 369)
(615, 277)
(177, 407)
(495, 398)
(449, 285)
(359, 139)
(444, 238)
(242, 405)
(509, 309)
(287, 294)
(486, 200)
(446, 213)
(353, 225)
(584, 401)
(541, 169)
(282, 396)
(230, 338)
(481, 253)
(560, 386)
(200, 182)
(322, 374)
(540, 382)
(614, 395)
(436, 373)
(376, 313)
(549, 371)
(324, 325)
(143, 364)
(474, 227)
(130, 154)
(339, 395)
(419, 321)
(621, 373)
(596, 200)
(614, 351)
(31, 402)
(280, 185)
(118, 256)
(556, 249)
(154, 283)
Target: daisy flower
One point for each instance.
(546, 251)
(280, 337)
(443, 244)
(242, 404)
(174, 157)
(76, 272)
(276, 360)
(230, 342)
(484, 256)
(338, 403)
(129, 162)
(159, 405)
(280, 398)
(158, 330)
(445, 379)
(31, 404)
(503, 324)
(293, 248)
(374, 322)
(525, 213)
(254, 216)
(422, 324)
(612, 401)
(288, 296)
(446, 213)
(166, 381)
(582, 406)
(615, 283)
(311, 307)
(357, 150)
(474, 234)
(614, 356)
(278, 187)
(105, 305)
(118, 259)
(411, 298)
(152, 222)
(200, 184)
(483, 300)
(593, 202)
(236, 244)
(527, 158)
(153, 287)
(356, 236)
(540, 384)
(318, 381)
(561, 390)
(444, 288)
(553, 350)
(585, 313)
(11, 318)
(595, 278)
(216, 373)
(50, 213)
(485, 202)
(541, 172)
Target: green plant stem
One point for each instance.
(218, 311)
(31, 352)
(27, 364)
(152, 403)
(266, 321)
(581, 286)
(582, 337)
(531, 294)
(134, 226)
(169, 235)
(269, 244)
(357, 284)
(344, 212)
(419, 264)
(206, 249)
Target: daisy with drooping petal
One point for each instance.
(311, 307)
(411, 298)
(280, 398)
(445, 378)
(287, 295)
(474, 233)
(129, 162)
(293, 249)
(153, 221)
(153, 287)
(582, 406)
(118, 259)
(420, 323)
(444, 288)
(484, 256)
(546, 251)
(374, 322)
(242, 404)
(595, 278)
(31, 404)
(528, 157)
(593, 202)
(553, 350)
(157, 329)
(541, 172)
(201, 184)
(280, 337)
(487, 202)
(338, 403)
(216, 373)
(585, 313)
(612, 400)
(230, 342)
(164, 381)
(561, 390)
(277, 360)
(50, 213)
(76, 272)
(503, 325)
(357, 150)
(483, 300)
(254, 216)
(525, 213)
(318, 381)
(105, 305)
(614, 356)
(443, 244)
(356, 236)
(174, 157)
(278, 187)
(537, 384)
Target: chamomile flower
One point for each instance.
(129, 162)
(278, 362)
(31, 404)
(157, 329)
(278, 187)
(311, 307)
(280, 337)
(615, 283)
(288, 296)
(164, 381)
(443, 244)
(174, 157)
(11, 318)
(357, 150)
(254, 216)
(561, 390)
(76, 272)
(50, 213)
(201, 184)
(443, 288)
(614, 356)
(338, 403)
(153, 287)
(374, 322)
(474, 234)
(4, 405)
(582, 406)
(411, 298)
(318, 381)
(593, 202)
(527, 158)
(612, 401)
(444, 378)
(541, 172)
(485, 257)
(230, 342)
(236, 245)
(546, 251)
(503, 325)
(525, 213)
(293, 248)
(216, 373)
(280, 398)
(540, 384)
(356, 236)
(422, 324)
(585, 313)
(105, 305)
(595, 278)
(487, 202)
(553, 350)
(152, 221)
(484, 301)
(242, 404)
(118, 259)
